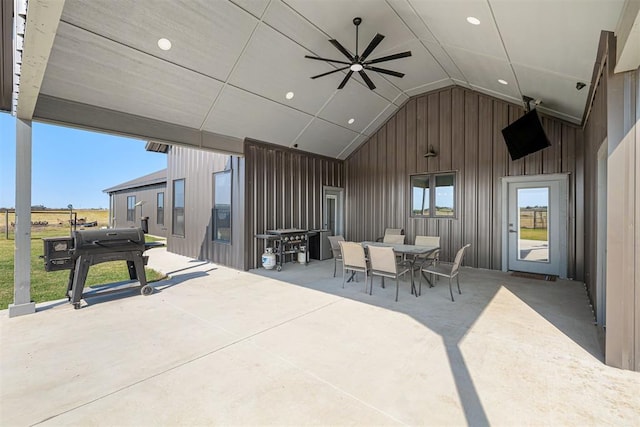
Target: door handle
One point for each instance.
(513, 231)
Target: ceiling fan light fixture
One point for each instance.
(164, 44)
(359, 63)
(473, 20)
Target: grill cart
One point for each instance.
(90, 247)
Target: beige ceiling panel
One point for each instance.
(447, 21)
(558, 36)
(420, 69)
(483, 72)
(254, 7)
(325, 138)
(558, 94)
(334, 17)
(430, 87)
(354, 101)
(353, 146)
(90, 69)
(242, 114)
(445, 61)
(412, 20)
(273, 65)
(206, 36)
(287, 21)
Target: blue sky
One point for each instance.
(72, 166)
(533, 197)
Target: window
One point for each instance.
(160, 208)
(178, 208)
(222, 207)
(131, 208)
(433, 195)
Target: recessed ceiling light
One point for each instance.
(289, 95)
(164, 44)
(502, 82)
(351, 121)
(473, 20)
(356, 67)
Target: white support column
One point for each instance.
(22, 256)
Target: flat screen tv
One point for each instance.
(525, 136)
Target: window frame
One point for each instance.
(159, 208)
(131, 209)
(431, 177)
(174, 207)
(215, 209)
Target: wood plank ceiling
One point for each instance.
(232, 62)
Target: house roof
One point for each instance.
(158, 177)
(224, 79)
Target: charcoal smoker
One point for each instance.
(90, 247)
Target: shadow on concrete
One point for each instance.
(453, 320)
(118, 290)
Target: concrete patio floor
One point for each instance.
(218, 346)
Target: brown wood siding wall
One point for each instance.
(283, 189)
(146, 194)
(197, 168)
(464, 128)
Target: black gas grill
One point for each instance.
(91, 247)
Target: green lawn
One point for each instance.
(534, 234)
(51, 286)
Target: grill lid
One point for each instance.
(108, 240)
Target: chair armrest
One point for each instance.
(379, 239)
(427, 262)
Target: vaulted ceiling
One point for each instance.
(232, 62)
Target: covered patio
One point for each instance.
(214, 345)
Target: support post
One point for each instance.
(22, 238)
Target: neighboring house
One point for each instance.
(142, 197)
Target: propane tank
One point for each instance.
(302, 255)
(268, 259)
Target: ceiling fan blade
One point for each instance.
(367, 80)
(329, 72)
(384, 71)
(372, 45)
(344, 81)
(317, 58)
(342, 49)
(389, 58)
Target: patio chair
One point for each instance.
(385, 264)
(394, 238)
(431, 258)
(446, 270)
(353, 260)
(335, 249)
(391, 231)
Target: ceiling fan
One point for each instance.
(358, 62)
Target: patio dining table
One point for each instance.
(412, 254)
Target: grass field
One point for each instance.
(53, 285)
(55, 220)
(534, 234)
